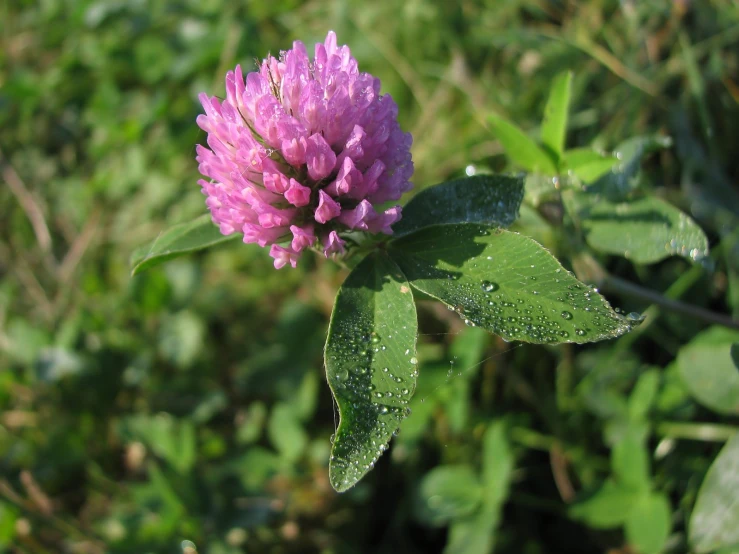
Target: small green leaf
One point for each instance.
(475, 534)
(622, 179)
(286, 433)
(708, 371)
(497, 463)
(448, 492)
(522, 151)
(490, 199)
(648, 523)
(178, 241)
(643, 395)
(370, 365)
(630, 461)
(713, 524)
(588, 165)
(644, 230)
(554, 126)
(608, 508)
(505, 283)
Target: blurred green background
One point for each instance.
(189, 403)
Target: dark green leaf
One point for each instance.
(554, 126)
(648, 523)
(708, 370)
(522, 151)
(490, 199)
(178, 241)
(448, 492)
(370, 364)
(644, 230)
(713, 524)
(506, 283)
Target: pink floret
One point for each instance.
(301, 151)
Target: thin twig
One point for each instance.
(28, 203)
(621, 286)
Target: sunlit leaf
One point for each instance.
(370, 364)
(554, 125)
(713, 524)
(178, 241)
(490, 199)
(587, 164)
(708, 370)
(644, 230)
(522, 150)
(506, 283)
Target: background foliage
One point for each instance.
(189, 403)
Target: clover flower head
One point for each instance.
(302, 150)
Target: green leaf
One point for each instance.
(708, 371)
(505, 283)
(475, 534)
(370, 365)
(644, 230)
(448, 492)
(178, 241)
(630, 461)
(713, 524)
(587, 164)
(286, 433)
(497, 463)
(522, 151)
(554, 126)
(643, 395)
(491, 199)
(648, 523)
(622, 179)
(608, 508)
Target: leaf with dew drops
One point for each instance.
(371, 365)
(489, 199)
(645, 230)
(505, 283)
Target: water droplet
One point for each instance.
(375, 338)
(342, 375)
(489, 286)
(579, 332)
(635, 318)
(414, 360)
(566, 315)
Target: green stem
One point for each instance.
(713, 432)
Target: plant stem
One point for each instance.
(621, 286)
(714, 432)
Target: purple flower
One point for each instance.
(302, 150)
